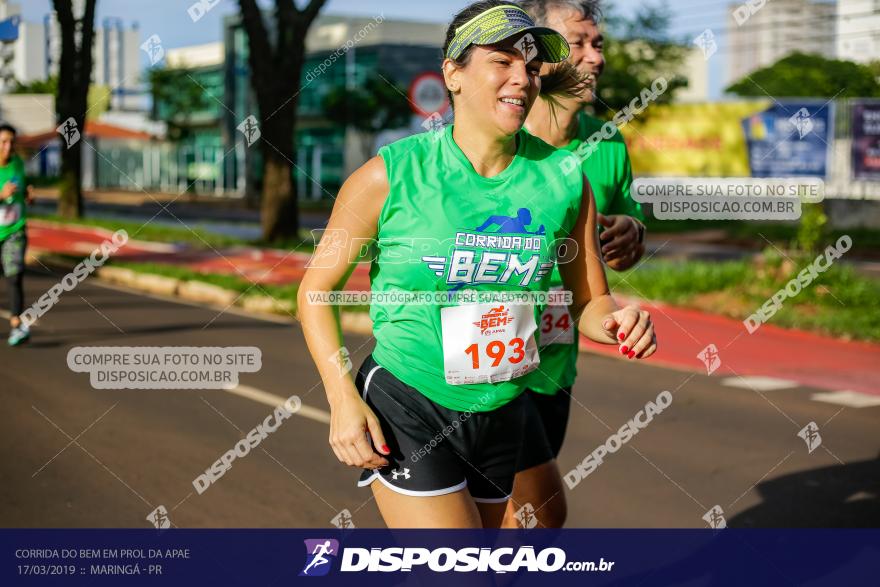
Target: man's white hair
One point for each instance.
(538, 9)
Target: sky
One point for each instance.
(169, 18)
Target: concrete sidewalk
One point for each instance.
(771, 358)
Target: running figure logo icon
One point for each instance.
(810, 434)
(715, 518)
(317, 553)
(803, 122)
(343, 520)
(527, 47)
(153, 48)
(511, 224)
(249, 129)
(494, 320)
(69, 132)
(526, 516)
(710, 358)
(706, 42)
(395, 474)
(159, 518)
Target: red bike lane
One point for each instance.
(684, 335)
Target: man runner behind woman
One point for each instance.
(566, 125)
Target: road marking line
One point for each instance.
(270, 399)
(848, 398)
(759, 382)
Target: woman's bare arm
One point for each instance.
(595, 312)
(353, 223)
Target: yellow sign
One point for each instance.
(697, 140)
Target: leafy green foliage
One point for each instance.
(39, 86)
(638, 50)
(175, 98)
(811, 76)
(373, 107)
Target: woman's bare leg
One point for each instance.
(453, 510)
(492, 514)
(540, 486)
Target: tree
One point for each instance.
(74, 75)
(638, 51)
(275, 73)
(175, 98)
(804, 75)
(375, 107)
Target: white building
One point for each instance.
(696, 69)
(762, 34)
(858, 30)
(116, 55)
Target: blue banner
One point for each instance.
(9, 29)
(452, 558)
(790, 139)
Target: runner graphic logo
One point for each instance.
(803, 122)
(526, 516)
(527, 47)
(343, 520)
(715, 518)
(810, 434)
(710, 358)
(159, 518)
(320, 553)
(494, 320)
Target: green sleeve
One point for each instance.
(623, 202)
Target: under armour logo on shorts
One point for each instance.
(395, 474)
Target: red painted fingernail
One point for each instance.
(621, 336)
(385, 449)
(624, 350)
(631, 354)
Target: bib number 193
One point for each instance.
(487, 343)
(496, 351)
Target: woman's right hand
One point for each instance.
(352, 425)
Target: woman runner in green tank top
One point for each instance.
(480, 206)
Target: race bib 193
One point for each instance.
(486, 343)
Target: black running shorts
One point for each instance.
(435, 450)
(544, 432)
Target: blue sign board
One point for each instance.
(790, 139)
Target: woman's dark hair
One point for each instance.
(467, 13)
(8, 128)
(564, 81)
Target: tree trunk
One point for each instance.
(70, 186)
(278, 214)
(275, 77)
(71, 100)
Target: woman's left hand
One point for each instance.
(633, 329)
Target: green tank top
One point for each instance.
(444, 228)
(13, 211)
(610, 175)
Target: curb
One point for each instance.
(199, 292)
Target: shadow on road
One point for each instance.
(838, 496)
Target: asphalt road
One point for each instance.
(79, 457)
